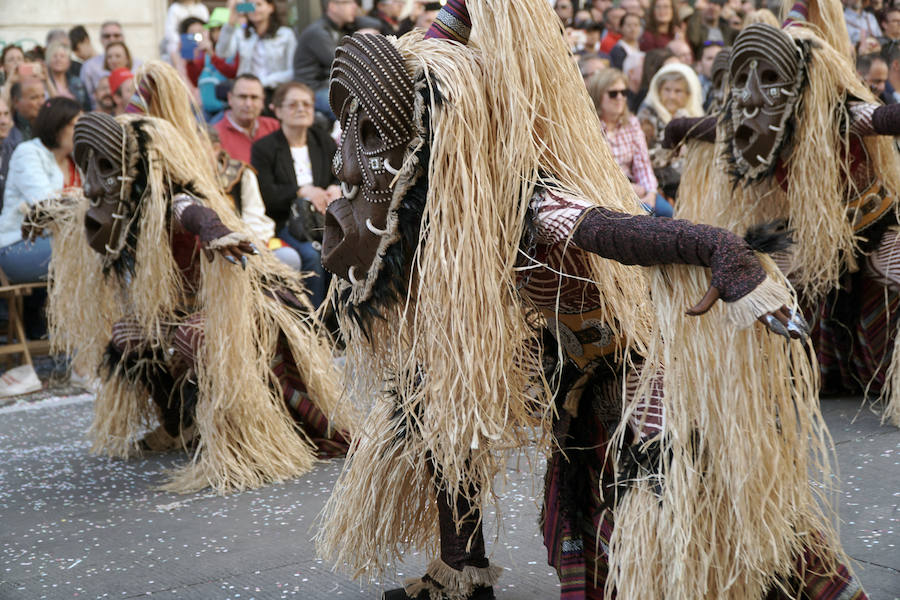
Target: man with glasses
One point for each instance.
(316, 47)
(242, 124)
(92, 69)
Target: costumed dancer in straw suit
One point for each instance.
(481, 208)
(224, 354)
(803, 140)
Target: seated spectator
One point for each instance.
(653, 62)
(674, 92)
(704, 68)
(860, 23)
(121, 85)
(612, 19)
(6, 128)
(80, 42)
(632, 7)
(708, 25)
(26, 98)
(388, 13)
(588, 64)
(103, 98)
(565, 10)
(762, 15)
(93, 69)
(890, 27)
(207, 70)
(243, 124)
(628, 43)
(294, 167)
(38, 169)
(117, 56)
(682, 51)
(265, 46)
(178, 11)
(873, 70)
(598, 8)
(239, 181)
(626, 140)
(62, 82)
(429, 13)
(868, 45)
(663, 25)
(634, 70)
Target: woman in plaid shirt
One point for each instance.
(626, 140)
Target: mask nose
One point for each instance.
(348, 169)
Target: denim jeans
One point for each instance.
(25, 262)
(311, 259)
(662, 209)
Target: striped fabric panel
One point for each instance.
(329, 443)
(820, 583)
(649, 416)
(884, 264)
(452, 23)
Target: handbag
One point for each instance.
(305, 223)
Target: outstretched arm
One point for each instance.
(214, 235)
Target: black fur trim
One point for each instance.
(770, 237)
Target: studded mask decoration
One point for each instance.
(719, 75)
(766, 73)
(106, 153)
(374, 97)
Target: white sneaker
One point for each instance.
(90, 384)
(21, 380)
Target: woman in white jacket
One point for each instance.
(265, 46)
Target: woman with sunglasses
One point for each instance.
(607, 88)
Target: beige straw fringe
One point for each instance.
(451, 583)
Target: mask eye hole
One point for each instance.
(741, 79)
(768, 77)
(369, 136)
(105, 165)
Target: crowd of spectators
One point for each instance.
(263, 90)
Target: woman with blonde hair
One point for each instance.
(61, 83)
(607, 90)
(674, 92)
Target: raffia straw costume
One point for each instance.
(227, 360)
(481, 205)
(832, 173)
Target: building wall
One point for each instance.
(142, 21)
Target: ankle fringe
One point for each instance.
(451, 584)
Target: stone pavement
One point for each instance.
(73, 525)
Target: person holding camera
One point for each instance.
(296, 180)
(266, 47)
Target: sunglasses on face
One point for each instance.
(613, 94)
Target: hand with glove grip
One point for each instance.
(646, 241)
(215, 236)
(683, 129)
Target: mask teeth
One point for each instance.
(349, 192)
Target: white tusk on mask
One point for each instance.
(761, 160)
(353, 279)
(389, 168)
(374, 229)
(775, 129)
(749, 115)
(349, 192)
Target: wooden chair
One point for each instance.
(16, 343)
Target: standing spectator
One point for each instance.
(6, 150)
(265, 46)
(674, 92)
(103, 98)
(663, 26)
(860, 23)
(429, 13)
(890, 27)
(682, 51)
(316, 47)
(10, 59)
(62, 81)
(704, 67)
(607, 89)
(633, 67)
(631, 33)
(242, 124)
(92, 69)
(121, 85)
(294, 162)
(208, 70)
(388, 14)
(80, 42)
(708, 25)
(178, 11)
(873, 70)
(39, 168)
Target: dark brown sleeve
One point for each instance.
(689, 128)
(644, 240)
